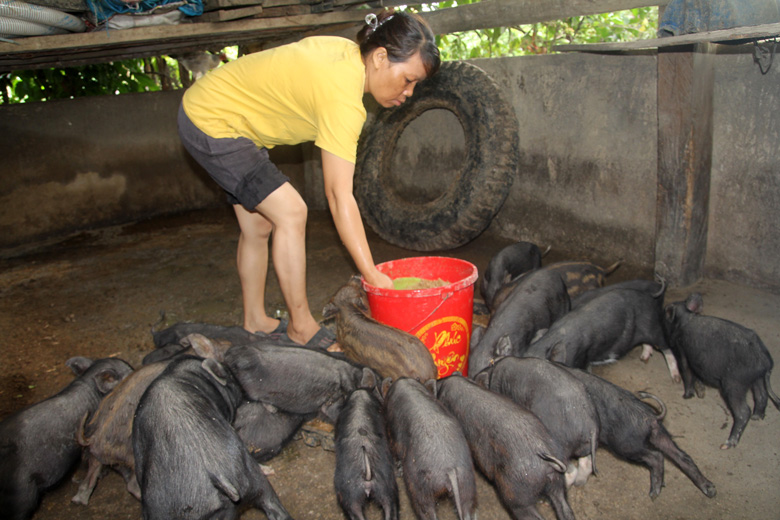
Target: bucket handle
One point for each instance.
(445, 297)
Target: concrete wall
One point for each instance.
(82, 163)
(587, 127)
(587, 182)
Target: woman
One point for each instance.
(311, 90)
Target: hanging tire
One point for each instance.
(473, 195)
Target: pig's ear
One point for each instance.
(329, 310)
(503, 347)
(369, 379)
(79, 364)
(107, 379)
(431, 386)
(203, 346)
(483, 379)
(216, 370)
(385, 387)
(694, 303)
(669, 312)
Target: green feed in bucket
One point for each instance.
(409, 283)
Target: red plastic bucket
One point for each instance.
(440, 316)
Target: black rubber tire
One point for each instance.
(476, 193)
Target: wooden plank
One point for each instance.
(214, 5)
(748, 32)
(685, 102)
(506, 13)
(224, 15)
(285, 10)
(109, 38)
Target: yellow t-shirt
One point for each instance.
(311, 90)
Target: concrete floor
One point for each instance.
(97, 294)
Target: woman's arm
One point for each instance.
(338, 174)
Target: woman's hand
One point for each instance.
(378, 279)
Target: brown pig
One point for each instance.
(391, 352)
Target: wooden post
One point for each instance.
(685, 92)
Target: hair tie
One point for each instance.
(372, 21)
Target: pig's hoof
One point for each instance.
(757, 417)
(267, 470)
(709, 490)
(727, 445)
(78, 499)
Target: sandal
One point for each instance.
(323, 339)
(277, 332)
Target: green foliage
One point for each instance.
(539, 38)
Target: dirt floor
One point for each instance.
(98, 293)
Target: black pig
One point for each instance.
(364, 464)
(509, 263)
(510, 446)
(606, 329)
(630, 429)
(391, 352)
(189, 461)
(558, 399)
(725, 355)
(38, 444)
(297, 380)
(537, 301)
(264, 429)
(431, 447)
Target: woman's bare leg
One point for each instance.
(252, 260)
(287, 212)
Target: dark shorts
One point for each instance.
(238, 165)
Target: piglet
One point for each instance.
(430, 445)
(364, 465)
(509, 263)
(38, 444)
(630, 429)
(297, 380)
(265, 429)
(558, 399)
(510, 446)
(189, 461)
(606, 329)
(391, 352)
(535, 303)
(725, 355)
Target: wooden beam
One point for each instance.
(174, 32)
(507, 13)
(685, 103)
(749, 32)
